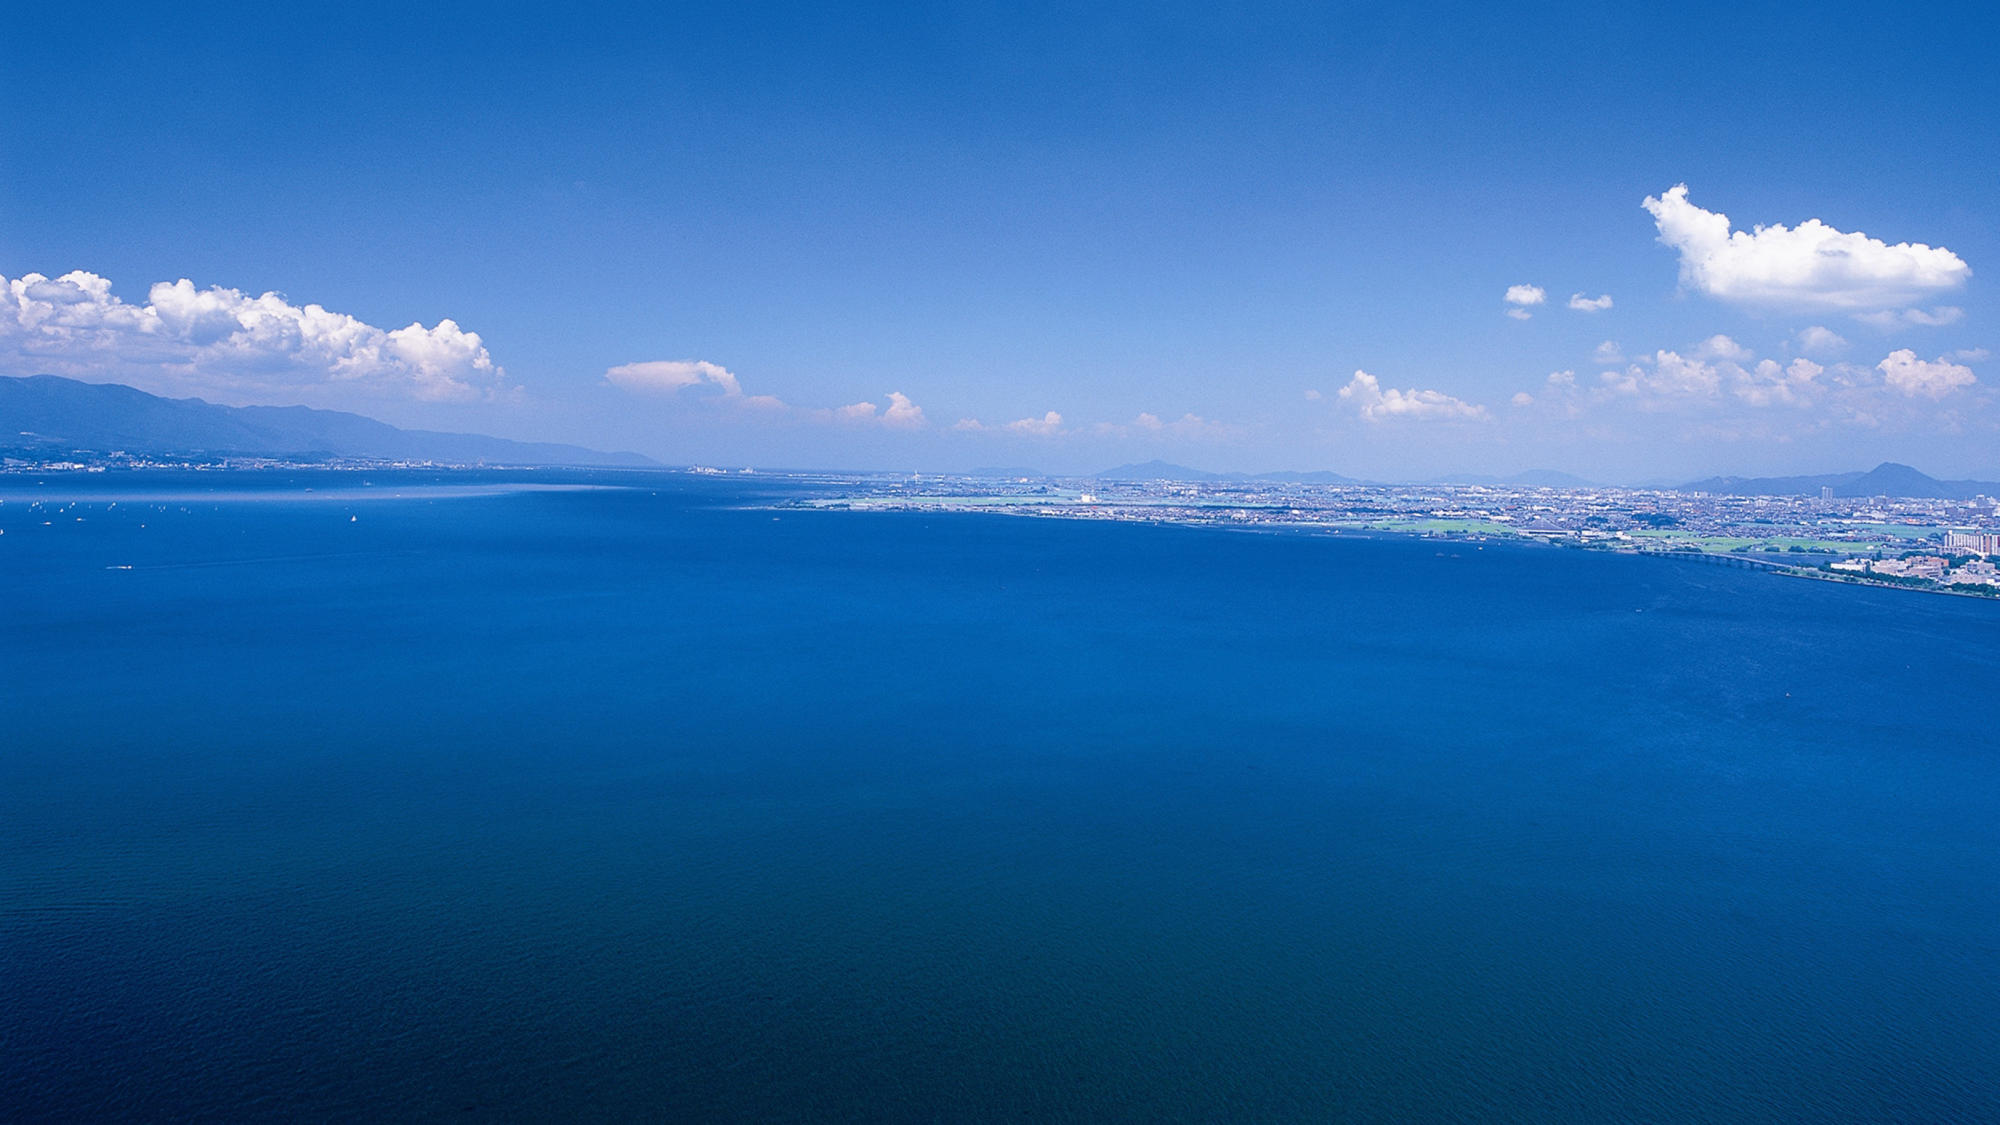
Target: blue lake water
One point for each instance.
(379, 803)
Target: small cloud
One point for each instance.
(1672, 378)
(968, 426)
(1581, 303)
(1607, 353)
(902, 414)
(1810, 266)
(1523, 298)
(1377, 404)
(1048, 425)
(1313, 395)
(670, 376)
(1522, 398)
(1917, 318)
(1188, 427)
(1818, 340)
(1973, 355)
(1903, 371)
(1769, 384)
(1719, 346)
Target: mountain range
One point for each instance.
(1886, 479)
(47, 415)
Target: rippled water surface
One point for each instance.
(627, 803)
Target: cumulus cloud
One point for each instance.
(1376, 404)
(226, 343)
(1048, 425)
(1819, 340)
(1668, 378)
(1810, 266)
(1581, 303)
(719, 385)
(900, 414)
(1523, 298)
(1607, 352)
(1933, 379)
(670, 376)
(1719, 346)
(1772, 384)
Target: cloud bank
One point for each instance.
(1810, 266)
(226, 343)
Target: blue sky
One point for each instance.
(948, 236)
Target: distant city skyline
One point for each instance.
(1394, 245)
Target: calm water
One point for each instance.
(625, 804)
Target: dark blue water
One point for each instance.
(625, 804)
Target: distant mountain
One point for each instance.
(44, 415)
(1886, 479)
(1319, 477)
(1155, 470)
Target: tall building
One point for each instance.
(1978, 542)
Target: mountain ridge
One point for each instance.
(1889, 478)
(43, 414)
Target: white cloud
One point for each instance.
(1903, 371)
(969, 426)
(1770, 384)
(1376, 404)
(228, 344)
(1048, 425)
(1312, 395)
(1671, 379)
(720, 385)
(1522, 398)
(1719, 346)
(1973, 355)
(1810, 266)
(1581, 303)
(900, 414)
(1935, 318)
(1188, 427)
(1818, 340)
(1607, 352)
(1523, 298)
(669, 376)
